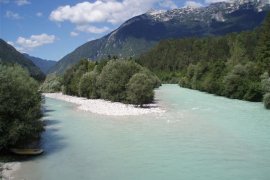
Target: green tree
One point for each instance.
(52, 83)
(235, 84)
(114, 77)
(266, 100)
(263, 49)
(88, 86)
(20, 107)
(140, 89)
(265, 82)
(238, 54)
(72, 76)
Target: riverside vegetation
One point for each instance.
(114, 80)
(20, 107)
(236, 65)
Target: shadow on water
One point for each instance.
(48, 122)
(46, 112)
(52, 142)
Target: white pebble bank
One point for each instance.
(100, 106)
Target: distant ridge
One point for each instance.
(43, 64)
(141, 33)
(9, 55)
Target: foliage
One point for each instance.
(52, 83)
(114, 77)
(263, 48)
(265, 82)
(234, 83)
(20, 104)
(88, 86)
(266, 100)
(73, 75)
(140, 89)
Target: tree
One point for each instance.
(265, 82)
(20, 107)
(266, 100)
(238, 54)
(140, 89)
(73, 75)
(52, 83)
(263, 49)
(235, 82)
(87, 85)
(114, 77)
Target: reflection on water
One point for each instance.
(200, 136)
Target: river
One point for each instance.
(199, 137)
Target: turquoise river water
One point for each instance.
(199, 137)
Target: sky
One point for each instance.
(50, 29)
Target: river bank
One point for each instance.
(104, 107)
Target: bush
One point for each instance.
(235, 82)
(154, 79)
(140, 89)
(114, 77)
(265, 82)
(87, 86)
(20, 104)
(266, 100)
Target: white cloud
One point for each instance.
(168, 4)
(13, 15)
(22, 2)
(214, 1)
(192, 4)
(39, 14)
(73, 34)
(26, 44)
(92, 29)
(110, 11)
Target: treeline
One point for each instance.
(20, 107)
(115, 80)
(235, 65)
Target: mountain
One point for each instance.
(9, 55)
(43, 64)
(141, 33)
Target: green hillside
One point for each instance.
(9, 55)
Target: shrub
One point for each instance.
(266, 100)
(140, 89)
(114, 77)
(87, 85)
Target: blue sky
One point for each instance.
(51, 29)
